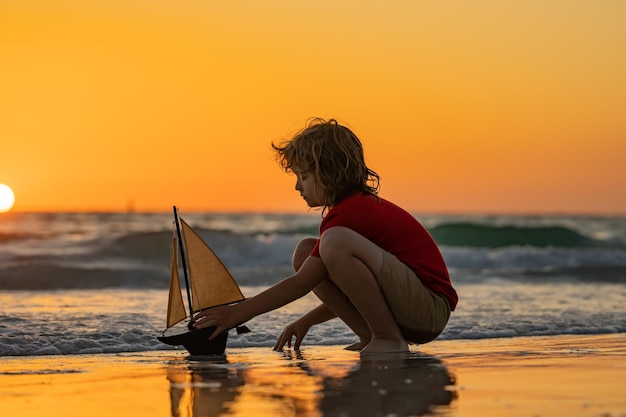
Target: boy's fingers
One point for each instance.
(280, 343)
(216, 332)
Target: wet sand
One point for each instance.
(529, 376)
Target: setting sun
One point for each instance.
(7, 198)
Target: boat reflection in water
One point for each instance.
(203, 388)
(330, 382)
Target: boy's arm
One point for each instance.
(318, 315)
(289, 289)
(311, 273)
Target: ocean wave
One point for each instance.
(234, 249)
(520, 259)
(466, 265)
(263, 245)
(261, 255)
(491, 236)
(16, 237)
(583, 273)
(51, 277)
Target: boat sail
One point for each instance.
(208, 283)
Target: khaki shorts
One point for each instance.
(421, 314)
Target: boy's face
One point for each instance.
(309, 189)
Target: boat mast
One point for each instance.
(184, 261)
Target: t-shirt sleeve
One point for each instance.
(335, 217)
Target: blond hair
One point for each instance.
(333, 154)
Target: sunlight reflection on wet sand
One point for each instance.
(517, 376)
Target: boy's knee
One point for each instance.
(302, 251)
(335, 241)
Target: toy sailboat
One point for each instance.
(208, 284)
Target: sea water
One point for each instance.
(73, 283)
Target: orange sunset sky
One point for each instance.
(462, 106)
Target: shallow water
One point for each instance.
(128, 320)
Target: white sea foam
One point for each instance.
(107, 321)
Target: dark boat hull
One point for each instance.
(197, 341)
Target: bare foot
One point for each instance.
(385, 346)
(356, 346)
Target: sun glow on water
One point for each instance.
(7, 198)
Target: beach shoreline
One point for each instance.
(574, 375)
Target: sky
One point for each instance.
(462, 107)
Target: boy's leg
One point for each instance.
(420, 313)
(333, 298)
(352, 262)
(301, 252)
(338, 303)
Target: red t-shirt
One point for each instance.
(396, 231)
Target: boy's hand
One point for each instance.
(221, 317)
(298, 329)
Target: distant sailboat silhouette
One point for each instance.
(208, 284)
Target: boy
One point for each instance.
(374, 265)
